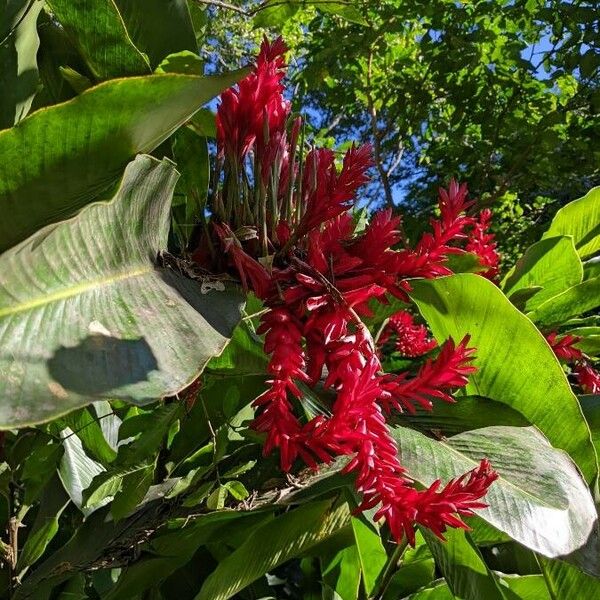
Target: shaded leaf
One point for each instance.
(19, 78)
(289, 535)
(159, 27)
(88, 141)
(463, 567)
(574, 301)
(96, 28)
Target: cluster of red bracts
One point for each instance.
(317, 276)
(564, 347)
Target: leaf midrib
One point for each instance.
(74, 290)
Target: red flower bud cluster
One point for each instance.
(411, 340)
(564, 348)
(318, 275)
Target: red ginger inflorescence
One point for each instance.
(317, 276)
(564, 347)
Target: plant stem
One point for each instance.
(390, 569)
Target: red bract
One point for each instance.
(481, 242)
(256, 108)
(588, 378)
(328, 194)
(564, 346)
(253, 275)
(435, 379)
(411, 340)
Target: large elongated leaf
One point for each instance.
(159, 27)
(85, 313)
(19, 72)
(572, 302)
(97, 30)
(516, 365)
(552, 264)
(566, 581)
(60, 158)
(371, 552)
(581, 219)
(272, 544)
(540, 500)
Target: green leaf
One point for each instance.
(581, 219)
(156, 424)
(272, 544)
(438, 590)
(345, 10)
(88, 429)
(572, 302)
(96, 28)
(540, 500)
(204, 123)
(130, 475)
(216, 499)
(417, 571)
(185, 62)
(239, 470)
(77, 470)
(463, 567)
(527, 587)
(133, 489)
(563, 580)
(243, 356)
(109, 323)
(159, 27)
(511, 354)
(275, 13)
(469, 412)
(39, 467)
(551, 264)
(19, 74)
(45, 527)
(237, 489)
(88, 141)
(107, 484)
(371, 552)
(342, 573)
(190, 152)
(590, 404)
(590, 339)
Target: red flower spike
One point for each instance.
(254, 105)
(563, 346)
(434, 380)
(482, 243)
(438, 510)
(318, 289)
(412, 340)
(588, 378)
(327, 194)
(453, 203)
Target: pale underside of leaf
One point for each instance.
(86, 313)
